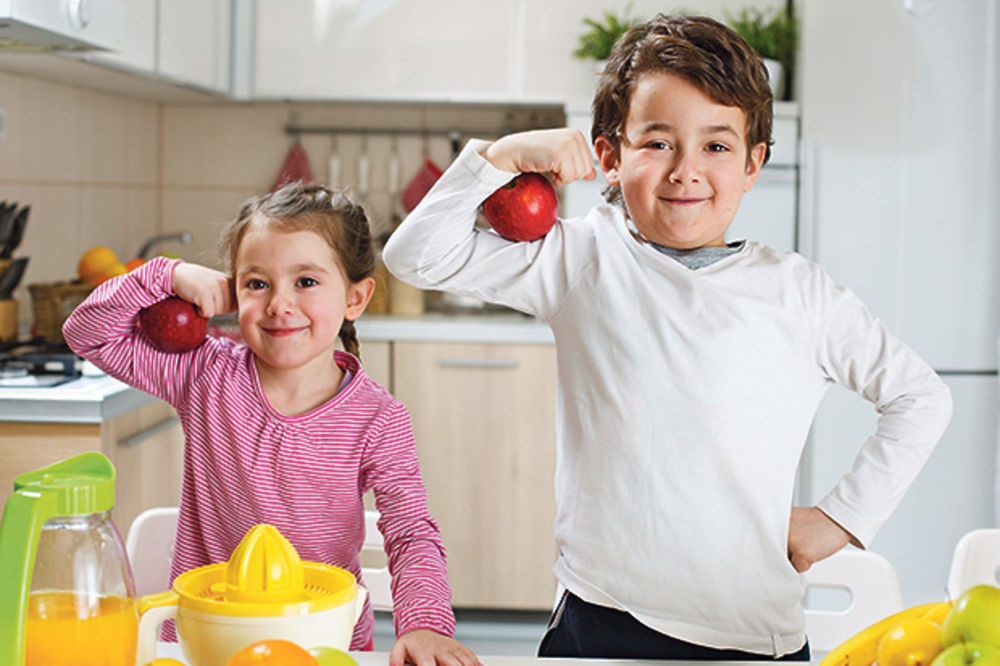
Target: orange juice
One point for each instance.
(66, 629)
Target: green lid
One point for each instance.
(82, 484)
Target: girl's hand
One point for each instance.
(423, 647)
(209, 290)
(813, 536)
(562, 152)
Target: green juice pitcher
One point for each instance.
(66, 592)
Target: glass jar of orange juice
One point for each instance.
(81, 609)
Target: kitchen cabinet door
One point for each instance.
(953, 494)
(377, 362)
(194, 42)
(138, 51)
(415, 50)
(145, 445)
(484, 420)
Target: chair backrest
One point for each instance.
(871, 581)
(150, 545)
(376, 579)
(976, 561)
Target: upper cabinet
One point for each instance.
(193, 42)
(183, 42)
(415, 50)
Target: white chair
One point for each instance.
(376, 578)
(150, 545)
(976, 561)
(871, 581)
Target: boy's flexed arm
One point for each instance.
(438, 246)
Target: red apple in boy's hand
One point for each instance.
(173, 325)
(524, 209)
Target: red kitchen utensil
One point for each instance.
(296, 167)
(420, 184)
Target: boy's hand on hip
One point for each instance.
(813, 536)
(423, 647)
(210, 290)
(564, 153)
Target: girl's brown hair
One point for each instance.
(700, 49)
(341, 222)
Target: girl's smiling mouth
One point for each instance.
(282, 332)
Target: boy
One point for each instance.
(689, 368)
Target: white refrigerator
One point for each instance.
(900, 201)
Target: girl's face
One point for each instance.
(292, 297)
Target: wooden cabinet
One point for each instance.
(146, 446)
(484, 420)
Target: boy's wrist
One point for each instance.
(497, 158)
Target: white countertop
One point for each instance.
(98, 399)
(173, 651)
(84, 400)
(486, 328)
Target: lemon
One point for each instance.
(328, 656)
(910, 642)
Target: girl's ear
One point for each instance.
(358, 296)
(607, 158)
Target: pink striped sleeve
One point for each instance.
(102, 330)
(420, 591)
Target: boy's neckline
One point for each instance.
(693, 258)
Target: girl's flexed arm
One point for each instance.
(103, 328)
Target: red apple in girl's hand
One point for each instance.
(524, 209)
(173, 325)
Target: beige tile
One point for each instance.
(205, 214)
(105, 217)
(142, 146)
(12, 145)
(51, 136)
(223, 146)
(101, 129)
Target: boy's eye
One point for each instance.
(717, 147)
(306, 282)
(255, 284)
(658, 145)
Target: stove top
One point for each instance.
(37, 364)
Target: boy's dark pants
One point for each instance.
(581, 629)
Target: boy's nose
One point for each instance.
(684, 169)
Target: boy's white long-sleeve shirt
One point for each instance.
(684, 401)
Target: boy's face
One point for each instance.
(682, 162)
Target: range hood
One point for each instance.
(33, 26)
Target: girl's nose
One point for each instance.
(279, 304)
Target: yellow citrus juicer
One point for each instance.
(66, 590)
(264, 591)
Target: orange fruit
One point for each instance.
(133, 264)
(911, 642)
(95, 262)
(272, 652)
(165, 661)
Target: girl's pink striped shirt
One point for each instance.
(245, 463)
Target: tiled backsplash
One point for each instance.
(99, 169)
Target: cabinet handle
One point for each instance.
(143, 435)
(502, 363)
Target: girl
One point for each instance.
(285, 429)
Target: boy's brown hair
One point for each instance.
(700, 49)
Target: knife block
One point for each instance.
(8, 320)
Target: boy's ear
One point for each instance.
(607, 158)
(754, 165)
(358, 296)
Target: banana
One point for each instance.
(862, 648)
(938, 613)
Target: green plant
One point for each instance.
(774, 33)
(596, 42)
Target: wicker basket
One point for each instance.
(52, 303)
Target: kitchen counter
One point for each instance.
(85, 400)
(472, 328)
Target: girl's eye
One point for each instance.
(255, 284)
(306, 282)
